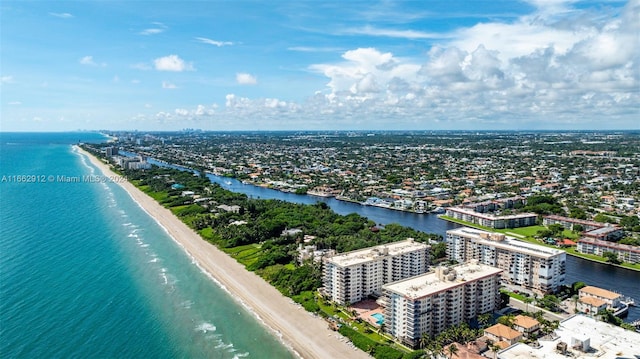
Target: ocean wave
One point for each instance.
(224, 345)
(187, 305)
(206, 327)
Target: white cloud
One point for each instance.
(403, 34)
(160, 28)
(15, 103)
(172, 63)
(168, 85)
(62, 15)
(566, 70)
(6, 79)
(205, 40)
(243, 78)
(151, 31)
(88, 61)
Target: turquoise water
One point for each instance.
(379, 318)
(84, 272)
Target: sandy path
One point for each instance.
(309, 336)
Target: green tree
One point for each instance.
(452, 350)
(611, 257)
(507, 320)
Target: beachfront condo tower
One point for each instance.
(353, 276)
(434, 301)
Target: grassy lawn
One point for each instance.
(513, 295)
(523, 231)
(246, 254)
(177, 209)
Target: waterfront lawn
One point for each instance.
(523, 231)
(246, 255)
(209, 235)
(158, 196)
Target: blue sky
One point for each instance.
(320, 65)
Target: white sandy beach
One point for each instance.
(309, 336)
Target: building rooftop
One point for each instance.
(431, 282)
(618, 246)
(368, 254)
(490, 216)
(599, 292)
(593, 301)
(605, 341)
(505, 242)
(503, 331)
(525, 321)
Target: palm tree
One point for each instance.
(424, 340)
(495, 348)
(507, 320)
(453, 350)
(484, 319)
(527, 301)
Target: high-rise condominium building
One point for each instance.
(432, 302)
(532, 266)
(352, 276)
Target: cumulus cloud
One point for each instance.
(569, 69)
(535, 67)
(243, 78)
(168, 85)
(172, 63)
(217, 43)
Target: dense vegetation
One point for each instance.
(256, 231)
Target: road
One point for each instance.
(516, 303)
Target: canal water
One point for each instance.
(613, 278)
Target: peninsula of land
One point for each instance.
(307, 335)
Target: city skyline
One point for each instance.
(214, 65)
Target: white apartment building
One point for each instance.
(432, 302)
(534, 267)
(352, 276)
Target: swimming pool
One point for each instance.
(379, 318)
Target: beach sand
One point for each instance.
(309, 336)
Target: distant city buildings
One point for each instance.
(352, 276)
(535, 267)
(432, 302)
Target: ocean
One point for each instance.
(85, 272)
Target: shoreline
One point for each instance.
(305, 335)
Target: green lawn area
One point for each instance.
(513, 295)
(246, 254)
(523, 231)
